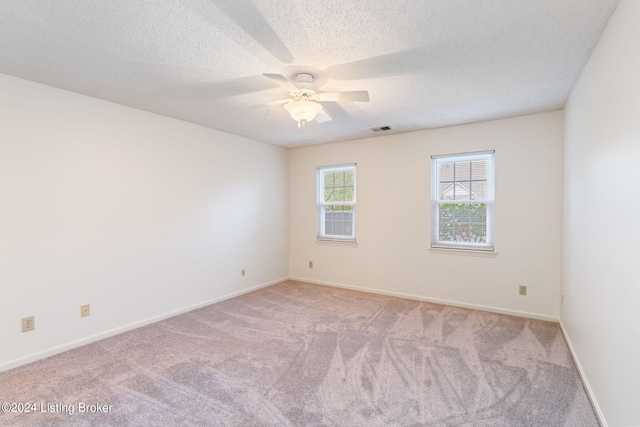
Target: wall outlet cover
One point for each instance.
(28, 323)
(85, 310)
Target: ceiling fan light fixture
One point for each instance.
(303, 111)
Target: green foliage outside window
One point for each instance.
(463, 222)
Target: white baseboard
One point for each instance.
(435, 300)
(583, 377)
(14, 363)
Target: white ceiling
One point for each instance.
(425, 63)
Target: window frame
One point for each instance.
(436, 161)
(321, 204)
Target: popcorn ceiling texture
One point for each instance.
(297, 354)
(425, 64)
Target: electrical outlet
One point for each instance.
(85, 310)
(242, 272)
(310, 264)
(28, 323)
(523, 290)
(562, 300)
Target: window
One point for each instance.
(337, 203)
(462, 201)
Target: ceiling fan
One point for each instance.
(304, 102)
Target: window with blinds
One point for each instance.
(462, 201)
(337, 203)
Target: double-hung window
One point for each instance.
(462, 201)
(336, 202)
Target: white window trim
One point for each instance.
(489, 246)
(320, 203)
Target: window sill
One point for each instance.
(464, 252)
(336, 243)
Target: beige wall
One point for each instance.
(393, 255)
(139, 215)
(601, 284)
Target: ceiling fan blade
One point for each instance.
(330, 96)
(269, 104)
(337, 112)
(349, 96)
(226, 88)
(282, 81)
(279, 102)
(247, 16)
(323, 116)
(355, 96)
(393, 64)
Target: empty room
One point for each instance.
(330, 213)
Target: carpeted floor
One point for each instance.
(297, 354)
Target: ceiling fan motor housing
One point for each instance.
(305, 81)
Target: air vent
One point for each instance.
(381, 129)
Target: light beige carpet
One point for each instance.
(297, 354)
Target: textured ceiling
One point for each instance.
(425, 63)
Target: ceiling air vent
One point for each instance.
(381, 129)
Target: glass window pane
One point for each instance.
(340, 228)
(349, 194)
(463, 171)
(446, 222)
(462, 190)
(455, 191)
(479, 190)
(349, 179)
(479, 169)
(463, 223)
(446, 191)
(328, 179)
(339, 220)
(348, 223)
(328, 227)
(330, 195)
(446, 172)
